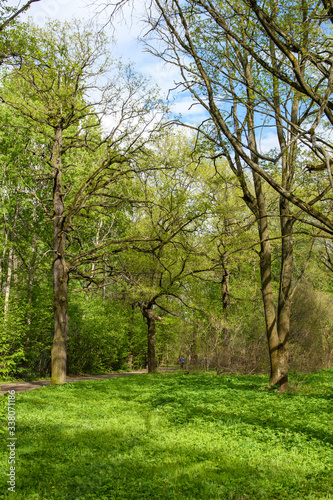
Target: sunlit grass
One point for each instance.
(175, 436)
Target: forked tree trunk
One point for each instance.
(277, 321)
(278, 353)
(60, 271)
(288, 162)
(284, 302)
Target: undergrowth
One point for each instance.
(174, 436)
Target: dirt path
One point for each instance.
(35, 384)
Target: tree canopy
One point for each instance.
(128, 241)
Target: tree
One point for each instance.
(240, 95)
(172, 215)
(63, 89)
(245, 25)
(9, 14)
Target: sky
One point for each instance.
(126, 31)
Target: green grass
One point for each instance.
(174, 436)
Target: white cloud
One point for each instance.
(164, 75)
(268, 141)
(56, 9)
(189, 109)
(127, 27)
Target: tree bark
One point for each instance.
(284, 302)
(3, 253)
(239, 50)
(60, 271)
(8, 283)
(277, 322)
(225, 286)
(10, 268)
(147, 312)
(277, 374)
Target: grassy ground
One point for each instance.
(174, 436)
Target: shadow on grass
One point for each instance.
(183, 407)
(143, 446)
(177, 397)
(111, 465)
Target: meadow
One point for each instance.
(174, 436)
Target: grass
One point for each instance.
(174, 436)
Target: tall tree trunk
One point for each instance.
(8, 283)
(10, 267)
(288, 162)
(60, 271)
(3, 252)
(277, 373)
(278, 350)
(284, 302)
(6, 231)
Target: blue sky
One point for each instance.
(126, 30)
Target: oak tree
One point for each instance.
(94, 117)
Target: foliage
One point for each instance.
(175, 436)
(180, 213)
(3, 411)
(99, 335)
(311, 329)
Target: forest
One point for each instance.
(166, 278)
(130, 238)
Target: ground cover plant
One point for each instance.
(178, 435)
